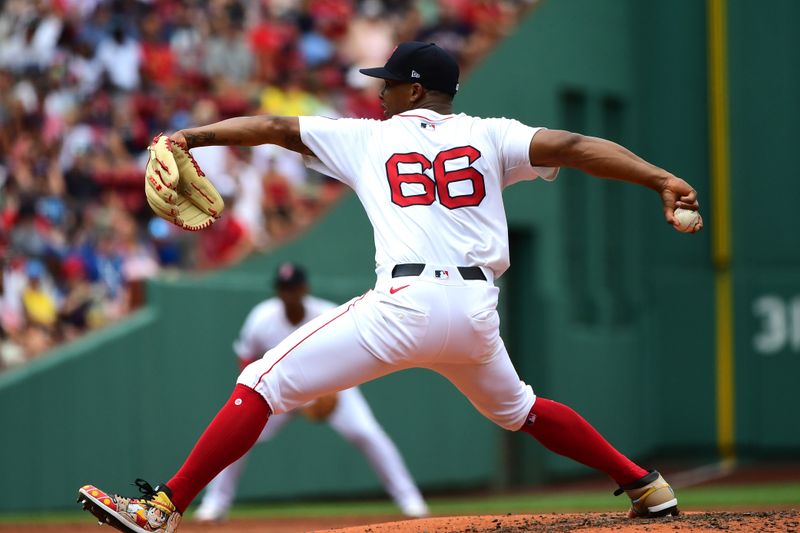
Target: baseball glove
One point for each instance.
(176, 188)
(321, 408)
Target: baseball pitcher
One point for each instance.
(431, 182)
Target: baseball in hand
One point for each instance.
(686, 220)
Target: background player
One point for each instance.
(266, 326)
(431, 182)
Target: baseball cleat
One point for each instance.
(651, 497)
(415, 509)
(153, 513)
(208, 514)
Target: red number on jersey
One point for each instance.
(396, 180)
(443, 179)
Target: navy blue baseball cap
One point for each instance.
(423, 63)
(290, 275)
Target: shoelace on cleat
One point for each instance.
(146, 488)
(158, 496)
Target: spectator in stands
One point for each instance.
(189, 30)
(12, 353)
(159, 65)
(120, 56)
(278, 202)
(315, 48)
(84, 68)
(38, 302)
(226, 242)
(13, 281)
(370, 37)
(289, 98)
(28, 234)
(227, 54)
(271, 38)
(77, 298)
(165, 243)
(139, 260)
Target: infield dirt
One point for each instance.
(762, 521)
(769, 521)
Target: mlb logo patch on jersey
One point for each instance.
(441, 274)
(425, 125)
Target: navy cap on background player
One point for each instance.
(290, 275)
(423, 63)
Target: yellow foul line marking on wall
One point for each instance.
(721, 224)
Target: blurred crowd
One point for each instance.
(85, 85)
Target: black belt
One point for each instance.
(415, 269)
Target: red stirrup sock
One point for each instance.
(232, 432)
(565, 432)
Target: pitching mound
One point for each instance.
(730, 522)
(764, 522)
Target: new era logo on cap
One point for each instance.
(423, 63)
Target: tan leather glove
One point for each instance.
(176, 188)
(321, 408)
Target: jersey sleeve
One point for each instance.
(338, 145)
(513, 140)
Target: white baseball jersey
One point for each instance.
(267, 325)
(443, 175)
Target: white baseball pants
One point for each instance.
(436, 320)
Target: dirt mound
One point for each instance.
(763, 522)
(783, 521)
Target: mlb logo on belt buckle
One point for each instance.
(441, 274)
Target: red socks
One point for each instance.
(565, 432)
(240, 421)
(232, 432)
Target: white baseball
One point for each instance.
(686, 220)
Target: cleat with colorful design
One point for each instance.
(153, 513)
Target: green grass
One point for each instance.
(742, 496)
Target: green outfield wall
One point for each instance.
(605, 307)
